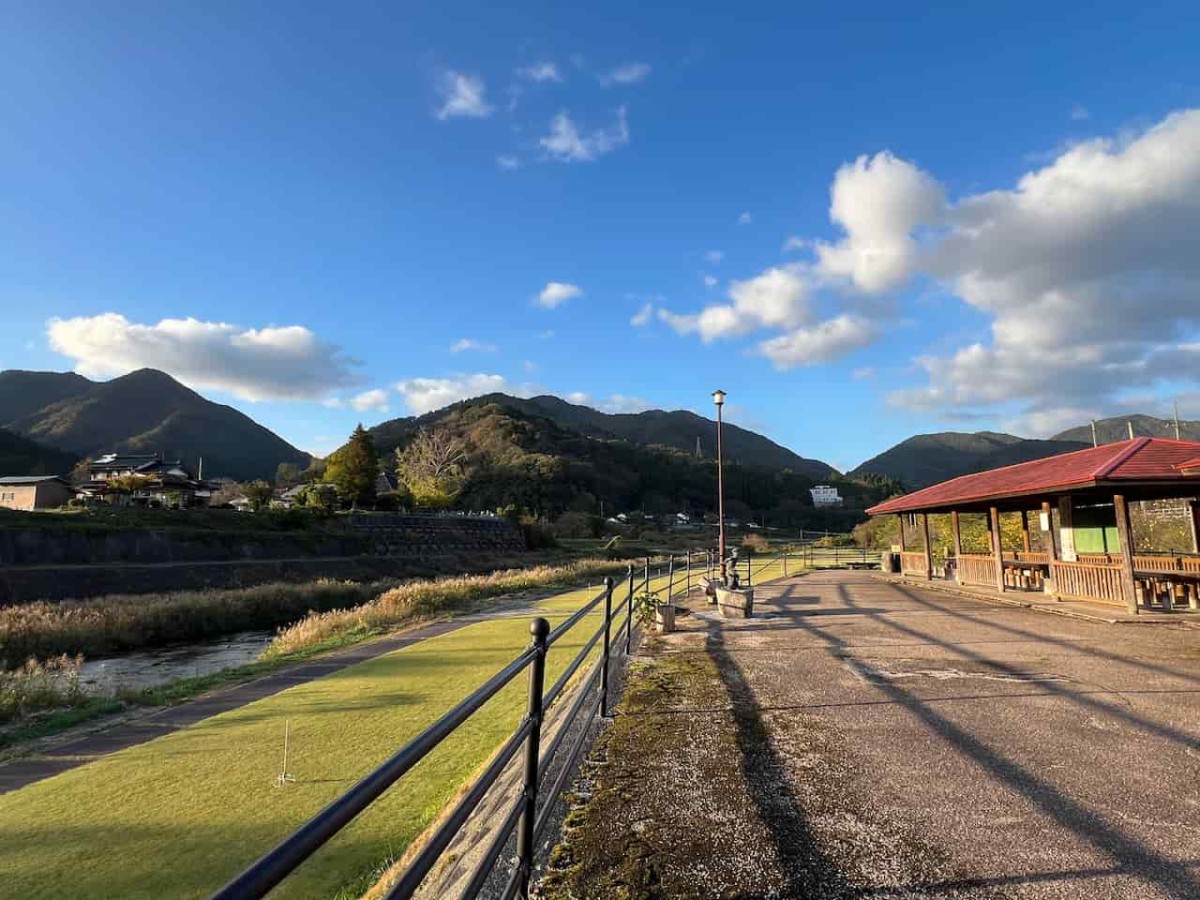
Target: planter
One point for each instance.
(736, 603)
(664, 618)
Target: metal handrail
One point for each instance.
(269, 870)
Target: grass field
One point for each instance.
(181, 814)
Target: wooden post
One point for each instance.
(1125, 533)
(1194, 509)
(954, 526)
(903, 545)
(997, 549)
(1025, 543)
(928, 549)
(1051, 543)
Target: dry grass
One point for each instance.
(37, 686)
(423, 599)
(121, 622)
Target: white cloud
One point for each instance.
(643, 316)
(462, 96)
(1080, 113)
(530, 366)
(464, 344)
(626, 73)
(567, 143)
(879, 201)
(376, 399)
(506, 163)
(821, 343)
(1088, 271)
(579, 398)
(709, 280)
(422, 395)
(862, 373)
(794, 242)
(777, 298)
(556, 293)
(714, 257)
(273, 363)
(546, 335)
(745, 218)
(540, 72)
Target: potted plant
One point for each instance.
(662, 612)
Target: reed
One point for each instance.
(424, 599)
(35, 686)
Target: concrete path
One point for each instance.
(1038, 756)
(61, 756)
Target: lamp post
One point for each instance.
(719, 400)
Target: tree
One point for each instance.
(431, 467)
(259, 494)
(288, 475)
(352, 469)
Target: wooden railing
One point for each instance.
(1033, 557)
(1098, 559)
(1088, 581)
(977, 569)
(1163, 562)
(913, 563)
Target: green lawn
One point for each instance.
(179, 815)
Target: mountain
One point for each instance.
(145, 411)
(21, 456)
(1109, 431)
(926, 459)
(677, 430)
(24, 393)
(516, 454)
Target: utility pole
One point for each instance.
(1095, 443)
(1129, 423)
(719, 400)
(1176, 408)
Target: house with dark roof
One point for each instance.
(29, 492)
(143, 480)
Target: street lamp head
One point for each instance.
(718, 397)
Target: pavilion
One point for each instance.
(1091, 555)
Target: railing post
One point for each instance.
(785, 556)
(540, 629)
(687, 593)
(670, 576)
(608, 586)
(749, 567)
(629, 616)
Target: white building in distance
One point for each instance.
(825, 495)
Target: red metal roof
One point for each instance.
(1189, 465)
(1141, 459)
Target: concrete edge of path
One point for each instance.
(1045, 607)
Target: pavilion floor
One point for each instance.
(1035, 600)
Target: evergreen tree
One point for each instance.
(352, 470)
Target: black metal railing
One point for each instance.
(523, 817)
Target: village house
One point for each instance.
(27, 492)
(143, 480)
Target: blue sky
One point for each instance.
(860, 223)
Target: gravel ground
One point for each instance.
(858, 738)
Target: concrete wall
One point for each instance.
(53, 563)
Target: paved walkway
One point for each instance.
(1037, 756)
